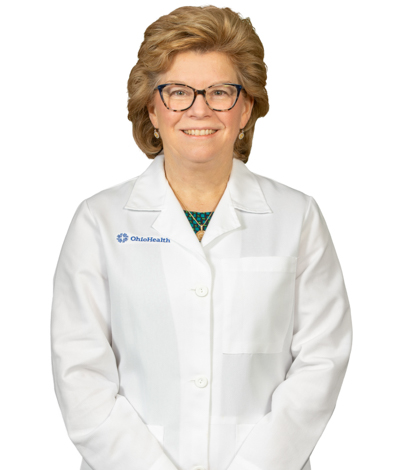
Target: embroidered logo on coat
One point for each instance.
(124, 237)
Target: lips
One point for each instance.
(199, 131)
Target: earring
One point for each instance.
(241, 135)
(156, 134)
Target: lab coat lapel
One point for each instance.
(152, 192)
(222, 221)
(243, 192)
(173, 223)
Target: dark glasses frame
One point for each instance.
(160, 88)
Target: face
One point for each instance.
(199, 70)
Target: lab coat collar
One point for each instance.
(152, 192)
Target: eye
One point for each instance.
(177, 91)
(219, 92)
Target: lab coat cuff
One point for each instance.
(239, 463)
(163, 463)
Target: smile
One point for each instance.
(200, 132)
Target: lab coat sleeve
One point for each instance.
(105, 428)
(321, 343)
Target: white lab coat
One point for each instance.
(169, 353)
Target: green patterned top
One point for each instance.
(201, 217)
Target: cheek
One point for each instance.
(232, 121)
(166, 118)
(161, 113)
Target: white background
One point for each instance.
(332, 132)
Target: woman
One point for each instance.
(200, 319)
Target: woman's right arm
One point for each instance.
(103, 425)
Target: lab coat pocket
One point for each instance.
(258, 296)
(157, 431)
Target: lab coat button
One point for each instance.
(201, 291)
(201, 382)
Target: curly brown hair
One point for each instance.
(199, 29)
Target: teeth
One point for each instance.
(200, 132)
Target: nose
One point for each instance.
(199, 108)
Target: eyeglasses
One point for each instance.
(180, 97)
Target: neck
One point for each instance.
(198, 186)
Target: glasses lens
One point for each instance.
(177, 97)
(221, 97)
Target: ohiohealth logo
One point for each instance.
(123, 237)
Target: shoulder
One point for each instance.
(281, 196)
(112, 198)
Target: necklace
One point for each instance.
(201, 232)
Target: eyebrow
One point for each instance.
(215, 83)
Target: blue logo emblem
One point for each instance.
(122, 237)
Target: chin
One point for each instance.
(201, 156)
(202, 153)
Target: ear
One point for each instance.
(248, 103)
(151, 108)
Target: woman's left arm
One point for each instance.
(322, 338)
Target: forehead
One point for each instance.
(200, 69)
